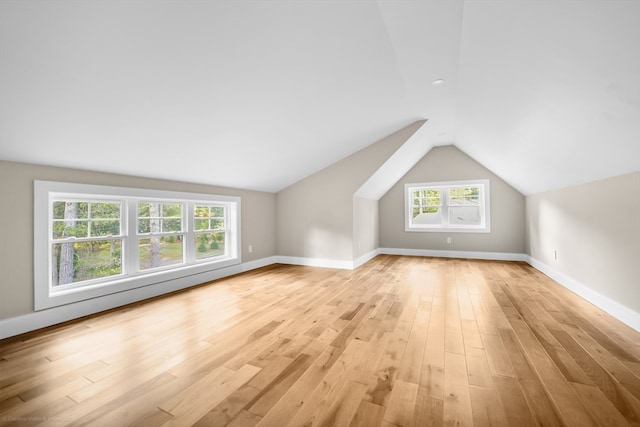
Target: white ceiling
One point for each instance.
(259, 94)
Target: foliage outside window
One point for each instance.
(161, 237)
(461, 206)
(100, 240)
(209, 236)
(86, 241)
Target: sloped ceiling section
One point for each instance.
(259, 94)
(251, 94)
(549, 91)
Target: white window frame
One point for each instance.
(485, 204)
(47, 296)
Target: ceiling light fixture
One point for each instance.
(438, 82)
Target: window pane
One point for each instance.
(105, 228)
(465, 215)
(172, 210)
(472, 201)
(171, 225)
(70, 219)
(58, 210)
(208, 217)
(82, 210)
(464, 196)
(70, 228)
(433, 209)
(456, 193)
(144, 226)
(58, 229)
(160, 251)
(154, 217)
(429, 216)
(201, 211)
(80, 261)
(201, 224)
(143, 210)
(105, 210)
(209, 244)
(149, 210)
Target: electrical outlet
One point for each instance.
(449, 240)
(250, 248)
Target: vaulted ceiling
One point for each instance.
(259, 94)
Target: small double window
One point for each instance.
(448, 206)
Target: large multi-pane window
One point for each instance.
(101, 240)
(448, 206)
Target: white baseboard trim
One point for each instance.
(497, 256)
(258, 263)
(329, 263)
(366, 258)
(315, 262)
(351, 265)
(53, 316)
(624, 314)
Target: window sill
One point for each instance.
(447, 230)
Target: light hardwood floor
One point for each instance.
(401, 341)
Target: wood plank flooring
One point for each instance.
(401, 341)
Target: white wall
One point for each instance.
(365, 226)
(591, 235)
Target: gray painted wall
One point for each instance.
(16, 193)
(365, 226)
(595, 231)
(316, 215)
(448, 163)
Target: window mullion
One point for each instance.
(131, 238)
(189, 233)
(481, 205)
(224, 230)
(444, 197)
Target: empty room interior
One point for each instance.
(320, 213)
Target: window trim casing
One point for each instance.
(485, 227)
(45, 297)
